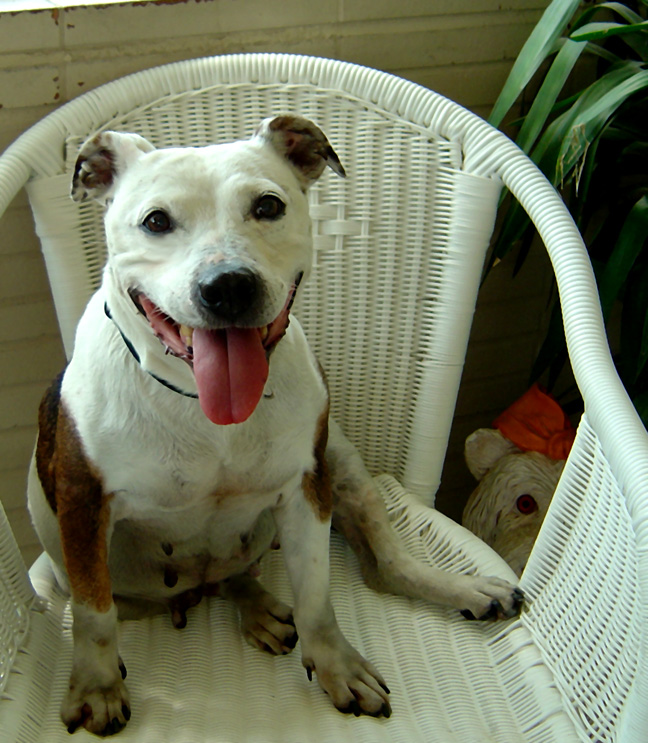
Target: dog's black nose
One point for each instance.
(228, 293)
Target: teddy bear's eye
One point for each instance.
(526, 504)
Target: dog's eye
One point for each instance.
(268, 207)
(158, 222)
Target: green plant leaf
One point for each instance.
(546, 152)
(633, 34)
(590, 120)
(597, 31)
(628, 247)
(545, 100)
(583, 182)
(635, 39)
(537, 47)
(594, 142)
(623, 10)
(567, 131)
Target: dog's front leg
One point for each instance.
(96, 698)
(303, 521)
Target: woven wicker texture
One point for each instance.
(399, 249)
(590, 637)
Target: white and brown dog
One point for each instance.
(188, 432)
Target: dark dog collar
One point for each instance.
(135, 355)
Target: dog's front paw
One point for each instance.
(489, 598)
(353, 683)
(100, 710)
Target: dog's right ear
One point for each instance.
(101, 160)
(303, 144)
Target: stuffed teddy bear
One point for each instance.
(518, 463)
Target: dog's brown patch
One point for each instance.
(75, 493)
(47, 420)
(317, 484)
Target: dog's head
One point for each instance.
(211, 244)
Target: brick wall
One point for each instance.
(462, 49)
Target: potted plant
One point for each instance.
(591, 141)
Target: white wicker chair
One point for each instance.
(399, 251)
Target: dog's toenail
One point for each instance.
(167, 548)
(352, 708)
(493, 610)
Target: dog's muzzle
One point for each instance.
(230, 364)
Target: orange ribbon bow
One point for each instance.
(536, 422)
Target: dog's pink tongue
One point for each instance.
(231, 370)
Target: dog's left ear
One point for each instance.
(303, 144)
(102, 159)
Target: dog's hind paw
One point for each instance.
(266, 622)
(489, 598)
(102, 710)
(269, 625)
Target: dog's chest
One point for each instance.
(155, 470)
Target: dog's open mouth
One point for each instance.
(230, 364)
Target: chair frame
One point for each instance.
(610, 418)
